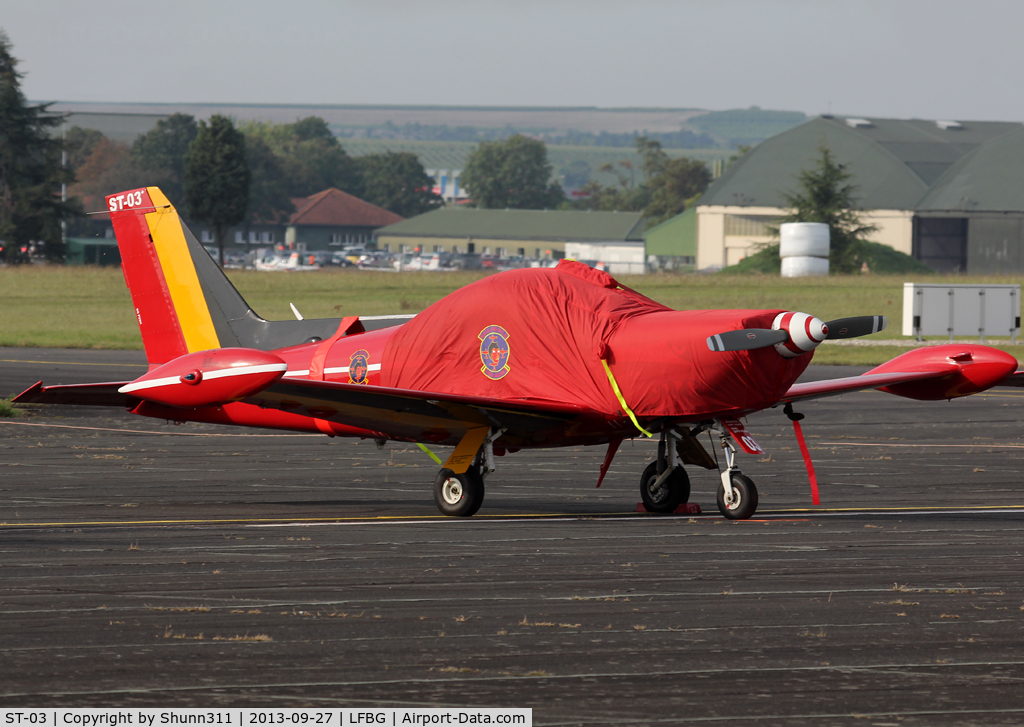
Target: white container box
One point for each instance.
(933, 309)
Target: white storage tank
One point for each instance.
(804, 248)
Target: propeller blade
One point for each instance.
(855, 326)
(747, 339)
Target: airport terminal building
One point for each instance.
(949, 193)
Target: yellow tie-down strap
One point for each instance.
(622, 399)
(464, 454)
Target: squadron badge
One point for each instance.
(357, 367)
(494, 352)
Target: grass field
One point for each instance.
(65, 307)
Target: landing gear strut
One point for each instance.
(461, 494)
(737, 495)
(664, 485)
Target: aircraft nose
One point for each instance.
(805, 333)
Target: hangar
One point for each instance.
(946, 192)
(615, 238)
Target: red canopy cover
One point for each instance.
(541, 333)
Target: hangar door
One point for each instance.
(996, 244)
(941, 243)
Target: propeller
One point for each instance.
(746, 340)
(794, 334)
(855, 326)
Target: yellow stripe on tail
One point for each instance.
(180, 273)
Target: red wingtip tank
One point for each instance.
(204, 378)
(972, 369)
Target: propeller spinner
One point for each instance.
(794, 334)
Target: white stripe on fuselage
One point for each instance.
(332, 370)
(218, 374)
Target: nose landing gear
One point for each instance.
(737, 495)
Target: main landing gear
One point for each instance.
(664, 485)
(461, 494)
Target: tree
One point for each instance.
(31, 211)
(668, 187)
(397, 182)
(513, 173)
(268, 192)
(79, 144)
(217, 177)
(677, 185)
(107, 168)
(160, 154)
(310, 156)
(825, 194)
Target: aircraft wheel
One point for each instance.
(672, 493)
(459, 495)
(744, 498)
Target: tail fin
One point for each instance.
(183, 301)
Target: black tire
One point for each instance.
(674, 492)
(744, 502)
(458, 495)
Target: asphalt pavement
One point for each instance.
(148, 564)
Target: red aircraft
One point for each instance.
(521, 359)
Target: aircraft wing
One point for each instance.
(104, 394)
(396, 413)
(849, 384)
(417, 415)
(1014, 379)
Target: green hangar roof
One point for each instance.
(895, 163)
(569, 225)
(991, 178)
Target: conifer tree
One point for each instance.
(217, 177)
(31, 210)
(825, 194)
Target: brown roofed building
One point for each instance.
(333, 218)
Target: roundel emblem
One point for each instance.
(494, 352)
(357, 367)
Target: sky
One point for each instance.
(935, 59)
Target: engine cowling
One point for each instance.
(210, 377)
(805, 331)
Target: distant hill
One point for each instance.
(676, 128)
(747, 126)
(573, 165)
(580, 139)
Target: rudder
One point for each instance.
(169, 304)
(183, 301)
